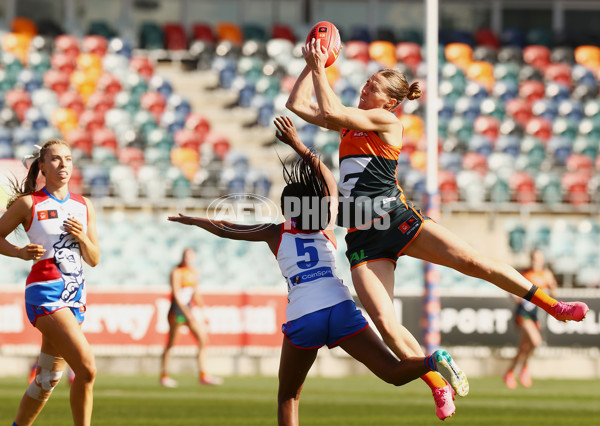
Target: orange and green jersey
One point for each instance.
(368, 183)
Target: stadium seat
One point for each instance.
(559, 73)
(522, 185)
(101, 28)
(175, 36)
(534, 151)
(475, 161)
(529, 72)
(565, 128)
(229, 31)
(95, 44)
(383, 52)
(109, 84)
(101, 102)
(487, 126)
(486, 37)
(203, 31)
(132, 157)
(67, 44)
(519, 109)
(539, 127)
(459, 53)
(588, 56)
(575, 186)
(508, 145)
(63, 62)
(34, 118)
(557, 92)
(106, 138)
(448, 187)
(510, 54)
(584, 92)
(485, 54)
(72, 99)
(407, 53)
(460, 128)
(571, 110)
(29, 80)
(91, 120)
(512, 37)
(19, 100)
(154, 102)
(586, 146)
(151, 36)
(481, 72)
(282, 31)
(505, 90)
(144, 121)
(80, 139)
(545, 108)
(532, 90)
(498, 189)
(560, 148)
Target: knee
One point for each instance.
(87, 371)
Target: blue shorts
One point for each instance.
(327, 326)
(34, 312)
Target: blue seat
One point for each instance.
(582, 75)
(469, 108)
(6, 150)
(516, 236)
(360, 33)
(445, 108)
(35, 118)
(462, 36)
(179, 104)
(570, 109)
(557, 92)
(513, 37)
(451, 161)
(508, 144)
(161, 85)
(545, 108)
(560, 148)
(120, 46)
(505, 90)
(25, 136)
(480, 144)
(30, 80)
(476, 91)
(246, 94)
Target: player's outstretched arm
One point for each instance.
(233, 231)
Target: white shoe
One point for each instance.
(167, 382)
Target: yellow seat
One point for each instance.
(383, 52)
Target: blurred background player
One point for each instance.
(527, 321)
(184, 286)
(320, 308)
(61, 228)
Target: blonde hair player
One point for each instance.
(320, 308)
(371, 139)
(61, 230)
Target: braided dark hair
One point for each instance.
(304, 199)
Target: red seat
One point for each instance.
(63, 62)
(76, 181)
(175, 37)
(19, 100)
(142, 65)
(283, 31)
(559, 72)
(523, 186)
(91, 120)
(131, 156)
(108, 83)
(95, 44)
(532, 90)
(475, 161)
(57, 81)
(101, 102)
(448, 187)
(487, 126)
(486, 37)
(575, 184)
(539, 127)
(537, 56)
(580, 163)
(203, 31)
(185, 138)
(72, 99)
(154, 102)
(198, 123)
(358, 50)
(106, 138)
(221, 148)
(81, 139)
(519, 109)
(409, 53)
(67, 44)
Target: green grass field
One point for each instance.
(357, 400)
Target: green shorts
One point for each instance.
(400, 228)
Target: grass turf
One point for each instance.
(356, 400)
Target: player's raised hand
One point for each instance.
(315, 54)
(286, 131)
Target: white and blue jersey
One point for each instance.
(56, 280)
(307, 261)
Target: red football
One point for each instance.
(330, 38)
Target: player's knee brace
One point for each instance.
(49, 371)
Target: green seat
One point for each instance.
(493, 107)
(7, 81)
(128, 102)
(507, 71)
(151, 36)
(104, 156)
(587, 146)
(254, 31)
(39, 62)
(460, 128)
(158, 156)
(136, 84)
(411, 35)
(540, 36)
(565, 128)
(499, 191)
(268, 86)
(159, 138)
(534, 150)
(144, 120)
(549, 187)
